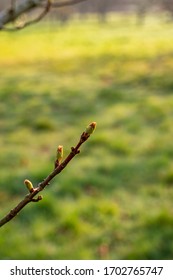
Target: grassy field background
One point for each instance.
(115, 200)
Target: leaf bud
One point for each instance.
(29, 185)
(90, 128)
(59, 155)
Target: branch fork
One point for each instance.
(18, 9)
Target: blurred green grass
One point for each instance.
(114, 201)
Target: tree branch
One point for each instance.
(58, 169)
(37, 19)
(16, 10)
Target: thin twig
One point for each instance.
(37, 19)
(31, 196)
(12, 13)
(41, 16)
(65, 3)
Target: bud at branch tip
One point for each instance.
(90, 128)
(29, 185)
(59, 156)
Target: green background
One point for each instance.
(115, 199)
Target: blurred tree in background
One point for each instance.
(167, 5)
(102, 8)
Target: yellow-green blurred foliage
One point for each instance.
(115, 199)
